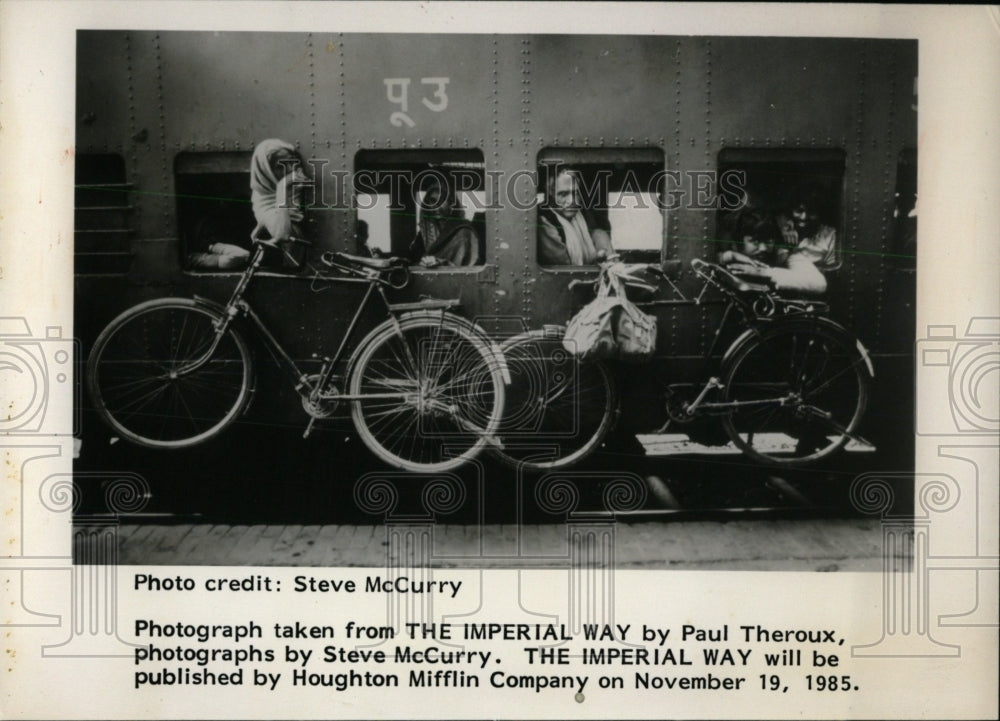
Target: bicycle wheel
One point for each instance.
(154, 380)
(802, 390)
(426, 393)
(558, 408)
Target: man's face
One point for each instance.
(805, 219)
(566, 196)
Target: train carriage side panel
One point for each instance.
(423, 105)
(176, 104)
(595, 100)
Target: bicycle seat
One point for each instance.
(373, 263)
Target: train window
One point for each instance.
(103, 217)
(213, 206)
(904, 233)
(801, 190)
(594, 201)
(425, 205)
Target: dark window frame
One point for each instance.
(821, 167)
(591, 161)
(104, 217)
(212, 190)
(385, 170)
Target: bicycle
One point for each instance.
(790, 389)
(426, 386)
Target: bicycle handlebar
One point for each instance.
(275, 243)
(392, 271)
(724, 278)
(624, 275)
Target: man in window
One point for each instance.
(569, 234)
(757, 254)
(804, 231)
(444, 236)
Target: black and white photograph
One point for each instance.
(668, 280)
(499, 360)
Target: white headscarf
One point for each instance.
(273, 203)
(263, 179)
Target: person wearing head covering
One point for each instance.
(444, 236)
(276, 179)
(569, 234)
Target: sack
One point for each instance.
(611, 326)
(635, 333)
(590, 335)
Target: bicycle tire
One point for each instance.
(133, 381)
(453, 386)
(558, 409)
(815, 364)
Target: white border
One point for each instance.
(959, 260)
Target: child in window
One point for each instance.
(759, 239)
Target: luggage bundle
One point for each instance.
(611, 326)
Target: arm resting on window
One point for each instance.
(602, 241)
(801, 275)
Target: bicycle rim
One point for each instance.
(431, 393)
(805, 390)
(139, 383)
(558, 409)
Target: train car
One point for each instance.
(670, 136)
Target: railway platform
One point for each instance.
(756, 544)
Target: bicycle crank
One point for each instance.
(326, 402)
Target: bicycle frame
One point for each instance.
(236, 306)
(753, 314)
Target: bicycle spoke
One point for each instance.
(137, 404)
(153, 379)
(558, 409)
(177, 344)
(849, 368)
(451, 394)
(393, 411)
(815, 407)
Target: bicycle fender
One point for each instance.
(237, 327)
(208, 304)
(838, 328)
(498, 357)
(751, 333)
(476, 329)
(737, 344)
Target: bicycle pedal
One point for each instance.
(664, 427)
(308, 431)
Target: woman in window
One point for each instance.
(444, 236)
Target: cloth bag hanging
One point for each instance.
(611, 326)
